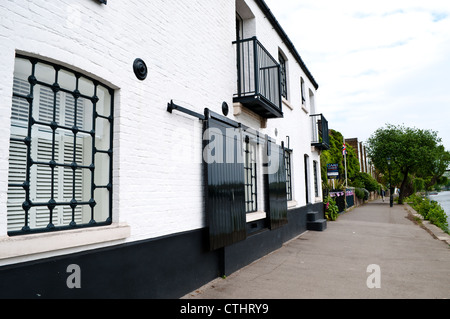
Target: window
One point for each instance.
(312, 103)
(250, 175)
(230, 185)
(302, 89)
(239, 27)
(60, 155)
(316, 183)
(283, 79)
(287, 159)
(307, 179)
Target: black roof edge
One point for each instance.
(266, 10)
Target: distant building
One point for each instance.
(361, 152)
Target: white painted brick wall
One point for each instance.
(296, 122)
(187, 46)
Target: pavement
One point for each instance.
(370, 252)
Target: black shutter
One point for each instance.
(225, 191)
(277, 196)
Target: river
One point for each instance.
(443, 198)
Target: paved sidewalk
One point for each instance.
(333, 263)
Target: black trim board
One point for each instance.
(166, 267)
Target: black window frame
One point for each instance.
(307, 169)
(302, 89)
(316, 181)
(33, 80)
(288, 168)
(283, 75)
(250, 173)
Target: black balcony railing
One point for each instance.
(258, 79)
(320, 136)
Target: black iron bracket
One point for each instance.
(172, 106)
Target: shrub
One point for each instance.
(331, 208)
(359, 193)
(429, 210)
(424, 208)
(366, 194)
(415, 201)
(362, 193)
(364, 180)
(437, 216)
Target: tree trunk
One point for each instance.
(433, 181)
(409, 189)
(403, 186)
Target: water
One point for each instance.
(443, 198)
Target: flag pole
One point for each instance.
(344, 152)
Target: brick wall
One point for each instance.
(296, 122)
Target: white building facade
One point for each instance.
(154, 145)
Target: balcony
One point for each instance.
(320, 136)
(258, 79)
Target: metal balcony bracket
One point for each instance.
(172, 106)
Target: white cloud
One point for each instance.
(378, 62)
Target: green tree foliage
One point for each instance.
(418, 184)
(334, 156)
(433, 172)
(413, 152)
(364, 180)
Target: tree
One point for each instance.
(413, 152)
(433, 172)
(334, 156)
(364, 180)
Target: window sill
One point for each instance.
(305, 109)
(292, 204)
(20, 246)
(251, 217)
(286, 102)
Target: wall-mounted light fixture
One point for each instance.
(140, 69)
(225, 108)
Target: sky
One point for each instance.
(376, 62)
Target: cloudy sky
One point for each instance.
(376, 62)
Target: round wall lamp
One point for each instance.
(225, 108)
(140, 69)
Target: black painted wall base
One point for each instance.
(163, 268)
(264, 242)
(167, 267)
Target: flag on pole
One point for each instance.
(344, 153)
